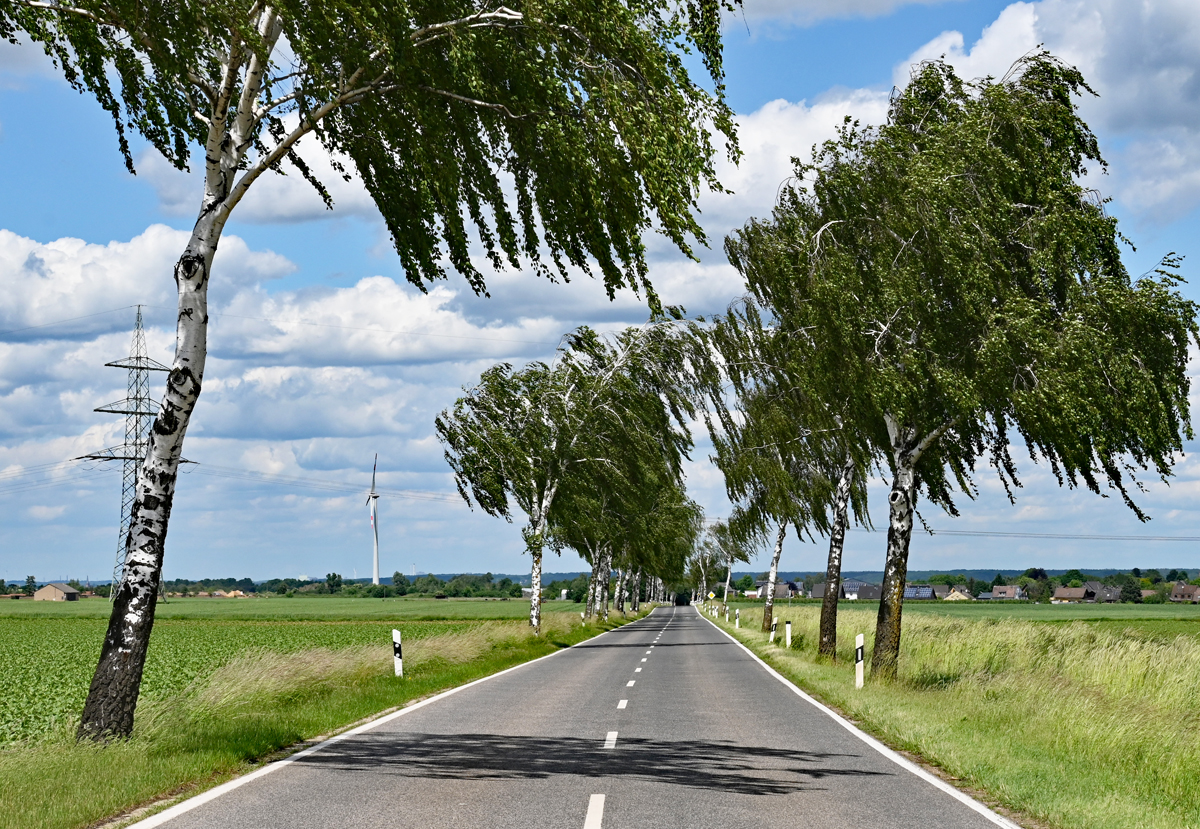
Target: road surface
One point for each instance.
(665, 722)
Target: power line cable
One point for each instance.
(68, 319)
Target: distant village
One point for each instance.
(1072, 587)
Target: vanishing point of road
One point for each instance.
(664, 722)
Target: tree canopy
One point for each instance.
(948, 280)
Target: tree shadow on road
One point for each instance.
(750, 770)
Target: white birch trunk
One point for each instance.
(769, 604)
(907, 448)
(827, 646)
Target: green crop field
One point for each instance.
(50, 648)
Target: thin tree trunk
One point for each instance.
(769, 605)
(827, 646)
(535, 601)
(113, 694)
(728, 581)
(593, 608)
(620, 602)
(637, 590)
(605, 578)
(901, 505)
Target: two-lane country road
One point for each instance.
(665, 722)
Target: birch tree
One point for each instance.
(553, 133)
(519, 435)
(782, 429)
(956, 282)
(779, 444)
(730, 548)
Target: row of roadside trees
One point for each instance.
(589, 448)
(927, 296)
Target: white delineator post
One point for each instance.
(737, 617)
(858, 661)
(397, 653)
(774, 624)
(787, 633)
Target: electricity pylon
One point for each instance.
(373, 501)
(139, 411)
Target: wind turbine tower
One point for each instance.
(373, 502)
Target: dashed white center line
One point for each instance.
(629, 684)
(595, 812)
(637, 670)
(611, 740)
(623, 703)
(649, 651)
(643, 659)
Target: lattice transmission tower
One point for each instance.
(139, 410)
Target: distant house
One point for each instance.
(1185, 593)
(1102, 593)
(1009, 591)
(56, 592)
(851, 589)
(1069, 595)
(1148, 593)
(919, 592)
(856, 590)
(959, 593)
(985, 596)
(941, 590)
(783, 589)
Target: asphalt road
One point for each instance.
(667, 719)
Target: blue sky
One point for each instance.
(80, 236)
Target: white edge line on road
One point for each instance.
(894, 756)
(595, 812)
(212, 794)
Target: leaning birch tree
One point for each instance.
(956, 281)
(780, 427)
(550, 132)
(520, 434)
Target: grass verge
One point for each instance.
(255, 704)
(1077, 725)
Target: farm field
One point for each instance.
(1074, 721)
(51, 648)
(308, 608)
(227, 683)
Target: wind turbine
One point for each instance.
(372, 501)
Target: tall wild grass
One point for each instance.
(1075, 724)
